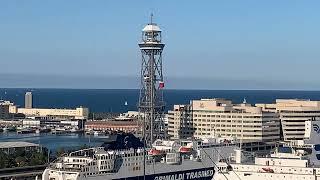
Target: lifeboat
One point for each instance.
(269, 170)
(185, 149)
(154, 152)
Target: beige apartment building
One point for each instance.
(219, 117)
(46, 113)
(293, 114)
(78, 113)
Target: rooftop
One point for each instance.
(5, 145)
(113, 123)
(151, 28)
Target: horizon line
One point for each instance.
(171, 89)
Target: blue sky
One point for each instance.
(209, 44)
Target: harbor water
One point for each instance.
(55, 141)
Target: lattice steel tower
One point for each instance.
(151, 103)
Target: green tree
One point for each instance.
(4, 160)
(60, 151)
(37, 158)
(22, 157)
(21, 161)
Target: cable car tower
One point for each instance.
(151, 104)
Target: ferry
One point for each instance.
(166, 159)
(299, 160)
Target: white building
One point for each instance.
(71, 124)
(28, 100)
(293, 114)
(32, 123)
(219, 117)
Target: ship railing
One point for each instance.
(85, 152)
(217, 145)
(58, 159)
(74, 169)
(134, 152)
(79, 156)
(128, 150)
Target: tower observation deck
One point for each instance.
(151, 103)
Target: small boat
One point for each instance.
(54, 131)
(12, 128)
(59, 131)
(268, 170)
(45, 130)
(20, 128)
(26, 131)
(98, 133)
(9, 129)
(75, 130)
(154, 152)
(90, 132)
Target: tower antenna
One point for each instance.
(151, 18)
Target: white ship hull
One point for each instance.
(263, 176)
(200, 174)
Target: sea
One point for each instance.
(114, 100)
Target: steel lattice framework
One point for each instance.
(151, 103)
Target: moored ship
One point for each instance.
(179, 159)
(298, 161)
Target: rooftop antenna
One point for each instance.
(151, 18)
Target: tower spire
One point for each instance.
(151, 18)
